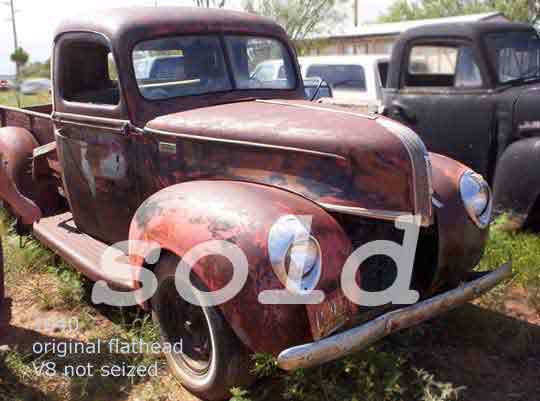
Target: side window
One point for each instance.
(178, 66)
(89, 74)
(443, 67)
(432, 66)
(467, 72)
(113, 71)
(383, 72)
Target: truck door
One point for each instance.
(92, 140)
(442, 96)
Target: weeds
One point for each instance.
(374, 374)
(432, 390)
(265, 365)
(523, 249)
(20, 363)
(70, 287)
(239, 394)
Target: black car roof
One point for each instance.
(473, 31)
(469, 30)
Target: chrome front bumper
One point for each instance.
(339, 345)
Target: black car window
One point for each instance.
(443, 67)
(467, 71)
(515, 55)
(431, 66)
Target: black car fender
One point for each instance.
(516, 184)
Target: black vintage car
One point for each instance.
(472, 92)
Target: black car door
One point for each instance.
(442, 97)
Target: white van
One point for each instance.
(357, 81)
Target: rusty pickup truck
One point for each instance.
(203, 151)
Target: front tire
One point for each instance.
(213, 359)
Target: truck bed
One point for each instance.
(35, 119)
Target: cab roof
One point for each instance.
(139, 23)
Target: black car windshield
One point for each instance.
(339, 76)
(195, 65)
(516, 55)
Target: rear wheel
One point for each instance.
(212, 359)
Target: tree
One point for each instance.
(36, 70)
(20, 58)
(515, 10)
(300, 18)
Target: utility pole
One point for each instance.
(14, 25)
(356, 12)
(11, 5)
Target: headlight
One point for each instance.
(476, 197)
(295, 254)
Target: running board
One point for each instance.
(60, 234)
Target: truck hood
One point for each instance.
(346, 161)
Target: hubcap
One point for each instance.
(182, 322)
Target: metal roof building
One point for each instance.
(379, 38)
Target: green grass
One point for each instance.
(9, 98)
(523, 248)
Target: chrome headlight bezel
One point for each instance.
(477, 198)
(286, 234)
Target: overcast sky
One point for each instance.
(36, 21)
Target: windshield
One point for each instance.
(516, 55)
(340, 76)
(195, 65)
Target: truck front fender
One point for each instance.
(461, 242)
(16, 148)
(185, 215)
(517, 182)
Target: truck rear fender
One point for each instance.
(16, 148)
(185, 215)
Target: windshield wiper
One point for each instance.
(529, 77)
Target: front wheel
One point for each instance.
(212, 359)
